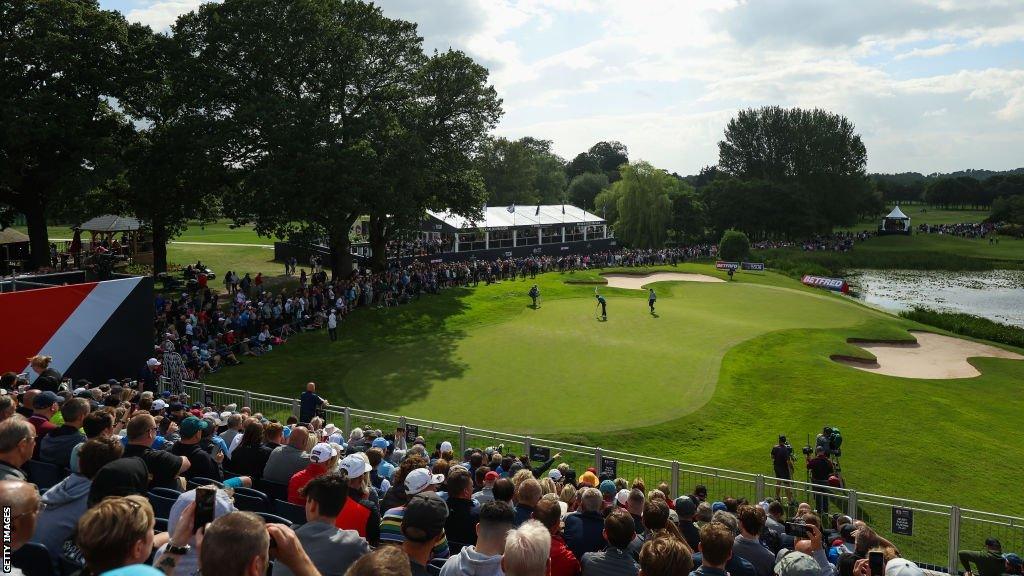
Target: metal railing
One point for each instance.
(932, 537)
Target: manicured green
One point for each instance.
(241, 259)
(222, 231)
(712, 379)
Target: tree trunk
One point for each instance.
(379, 242)
(341, 249)
(39, 239)
(159, 247)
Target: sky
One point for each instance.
(931, 85)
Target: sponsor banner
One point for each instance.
(565, 247)
(756, 266)
(723, 265)
(609, 467)
(834, 284)
(411, 432)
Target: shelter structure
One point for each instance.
(14, 248)
(103, 231)
(514, 227)
(895, 223)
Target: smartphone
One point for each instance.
(206, 497)
(876, 561)
(797, 529)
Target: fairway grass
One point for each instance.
(712, 379)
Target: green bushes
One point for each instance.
(734, 246)
(968, 325)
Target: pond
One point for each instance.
(997, 294)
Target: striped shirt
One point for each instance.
(391, 532)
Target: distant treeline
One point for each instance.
(963, 189)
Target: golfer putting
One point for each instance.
(603, 305)
(535, 296)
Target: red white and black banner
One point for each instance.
(95, 330)
(834, 284)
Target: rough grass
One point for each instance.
(968, 325)
(722, 371)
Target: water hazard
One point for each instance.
(997, 295)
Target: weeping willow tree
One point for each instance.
(644, 207)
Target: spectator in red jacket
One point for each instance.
(563, 561)
(323, 458)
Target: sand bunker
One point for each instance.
(933, 357)
(635, 282)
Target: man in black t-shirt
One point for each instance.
(309, 403)
(821, 468)
(201, 462)
(782, 462)
(164, 467)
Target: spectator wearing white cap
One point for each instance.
(323, 458)
(149, 376)
(357, 470)
(794, 563)
(188, 563)
(417, 481)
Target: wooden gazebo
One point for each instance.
(103, 231)
(13, 249)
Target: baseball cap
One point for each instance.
(355, 465)
(189, 426)
(793, 563)
(1012, 559)
(321, 453)
(424, 517)
(159, 404)
(446, 446)
(622, 496)
(418, 480)
(381, 443)
(718, 506)
(902, 567)
(685, 506)
(46, 399)
(491, 476)
(607, 487)
(554, 474)
(175, 406)
(152, 362)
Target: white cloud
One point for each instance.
(161, 14)
(937, 113)
(929, 52)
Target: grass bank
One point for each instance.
(968, 325)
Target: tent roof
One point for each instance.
(12, 236)
(526, 215)
(898, 214)
(110, 223)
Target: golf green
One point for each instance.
(712, 379)
(634, 368)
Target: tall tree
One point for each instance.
(508, 171)
(583, 163)
(584, 188)
(426, 151)
(609, 156)
(644, 208)
(816, 150)
(606, 204)
(59, 65)
(172, 170)
(298, 91)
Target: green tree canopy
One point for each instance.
(814, 153)
(644, 208)
(584, 188)
(523, 171)
(734, 246)
(60, 73)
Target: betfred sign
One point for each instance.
(723, 265)
(834, 284)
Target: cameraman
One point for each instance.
(782, 461)
(824, 440)
(821, 468)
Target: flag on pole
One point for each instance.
(512, 209)
(563, 208)
(537, 213)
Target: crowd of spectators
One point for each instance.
(128, 465)
(975, 230)
(835, 242)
